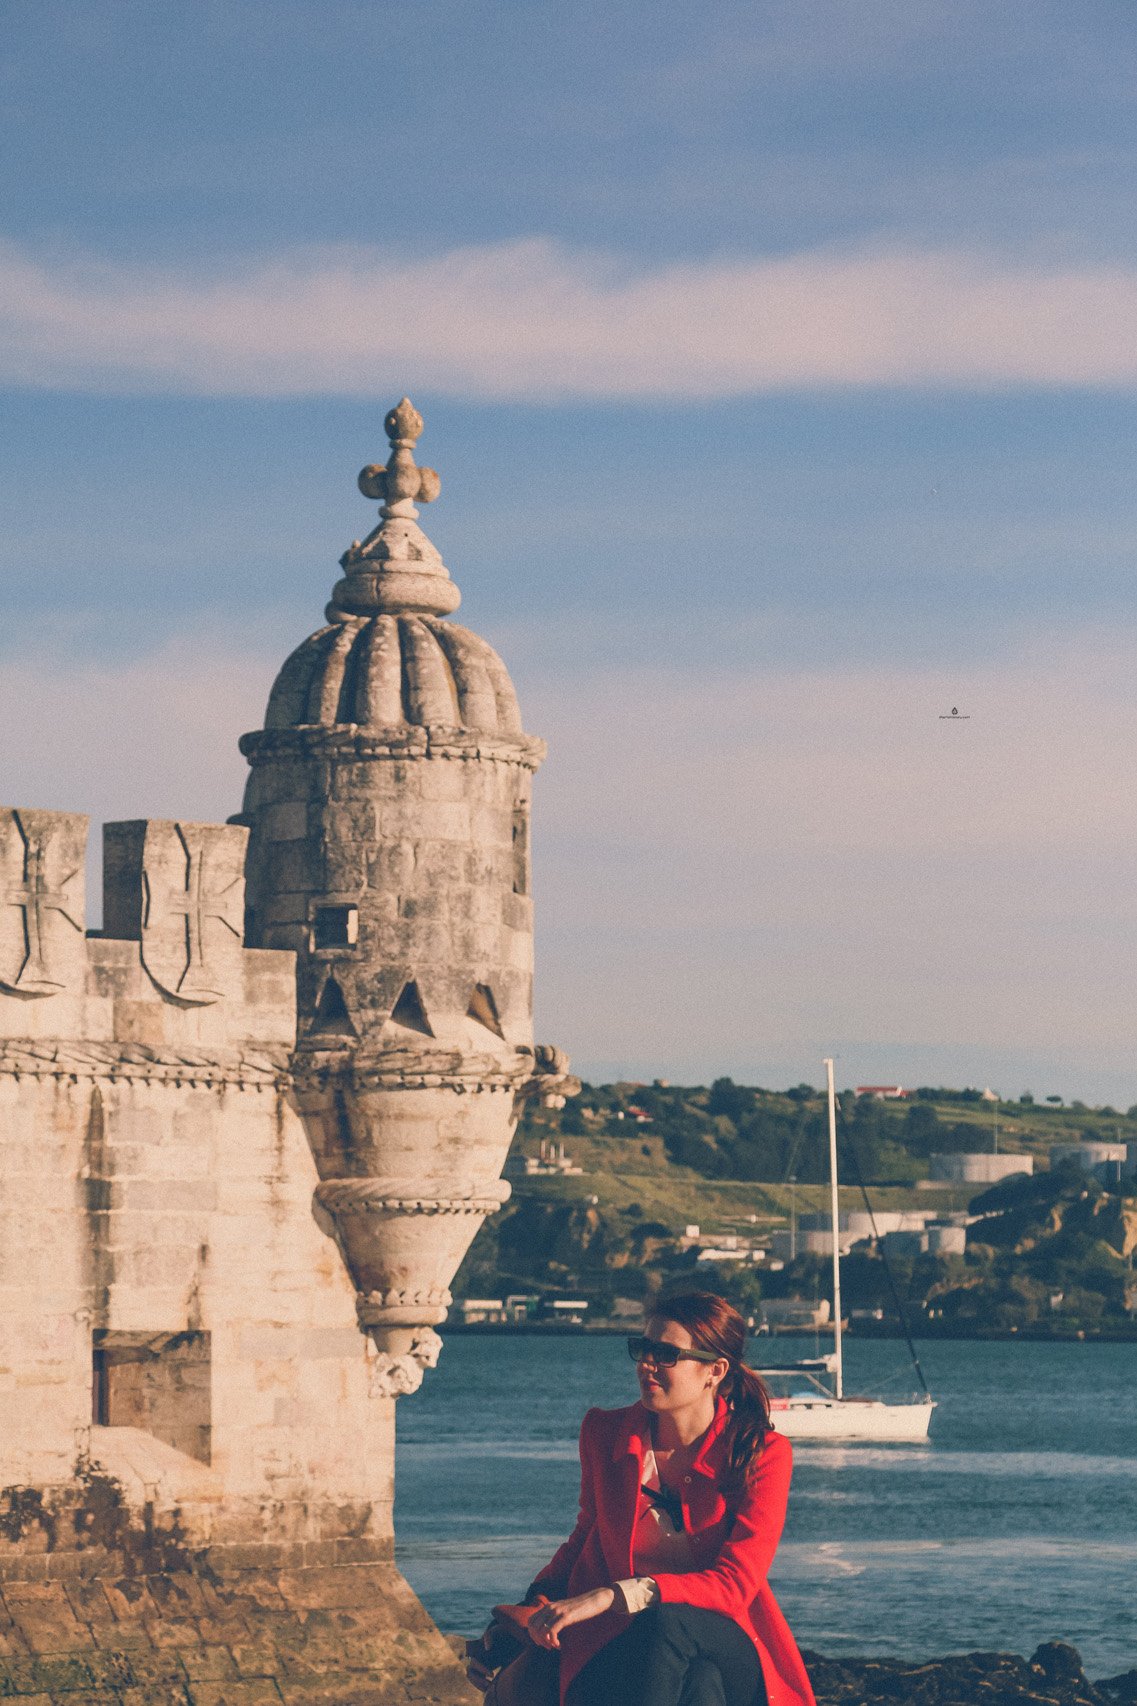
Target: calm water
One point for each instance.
(1015, 1524)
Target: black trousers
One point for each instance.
(673, 1655)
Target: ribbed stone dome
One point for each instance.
(387, 672)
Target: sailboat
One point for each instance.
(808, 1398)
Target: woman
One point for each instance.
(659, 1596)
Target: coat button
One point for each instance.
(686, 1477)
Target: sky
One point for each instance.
(779, 361)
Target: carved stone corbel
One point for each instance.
(396, 1376)
(403, 1240)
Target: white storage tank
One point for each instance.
(978, 1169)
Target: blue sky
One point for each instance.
(779, 362)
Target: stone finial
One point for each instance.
(396, 570)
(400, 481)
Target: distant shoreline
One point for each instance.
(601, 1329)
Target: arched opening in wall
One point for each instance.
(157, 1382)
(409, 1011)
(483, 1008)
(331, 1011)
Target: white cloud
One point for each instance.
(532, 320)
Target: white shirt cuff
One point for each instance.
(639, 1592)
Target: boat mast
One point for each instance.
(835, 1217)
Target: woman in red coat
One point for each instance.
(659, 1596)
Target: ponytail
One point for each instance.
(714, 1325)
(749, 1404)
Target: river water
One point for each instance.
(1016, 1523)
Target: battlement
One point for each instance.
(167, 971)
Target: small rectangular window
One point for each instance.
(335, 927)
(159, 1382)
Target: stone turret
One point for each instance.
(388, 810)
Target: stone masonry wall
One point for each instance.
(196, 1458)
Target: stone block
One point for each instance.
(129, 1599)
(111, 1670)
(256, 1658)
(345, 1586)
(124, 1638)
(42, 1613)
(18, 1675)
(254, 1691)
(287, 821)
(219, 1637)
(157, 1669)
(85, 1697)
(296, 866)
(62, 1673)
(332, 1689)
(156, 1694)
(178, 1594)
(289, 908)
(440, 779)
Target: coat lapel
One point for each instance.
(619, 1526)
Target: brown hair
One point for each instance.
(715, 1325)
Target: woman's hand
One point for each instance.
(545, 1627)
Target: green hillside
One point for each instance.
(1052, 1254)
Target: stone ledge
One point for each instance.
(260, 1068)
(349, 740)
(346, 1634)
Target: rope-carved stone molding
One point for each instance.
(411, 1297)
(135, 1063)
(375, 1078)
(397, 1376)
(375, 1196)
(541, 1074)
(352, 740)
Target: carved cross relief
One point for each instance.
(42, 887)
(193, 898)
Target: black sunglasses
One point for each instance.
(640, 1348)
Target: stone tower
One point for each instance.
(388, 811)
(205, 1105)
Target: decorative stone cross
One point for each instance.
(36, 899)
(192, 875)
(400, 485)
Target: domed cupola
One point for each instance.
(386, 672)
(386, 662)
(388, 815)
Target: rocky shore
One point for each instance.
(1052, 1676)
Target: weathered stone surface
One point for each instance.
(1053, 1676)
(349, 1634)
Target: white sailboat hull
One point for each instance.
(850, 1418)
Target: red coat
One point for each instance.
(733, 1540)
